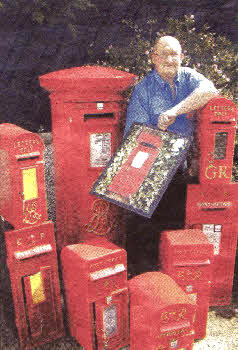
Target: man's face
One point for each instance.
(166, 57)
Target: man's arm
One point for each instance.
(198, 98)
(137, 109)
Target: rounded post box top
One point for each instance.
(159, 288)
(218, 110)
(187, 237)
(86, 78)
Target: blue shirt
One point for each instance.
(153, 96)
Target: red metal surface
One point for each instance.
(213, 209)
(21, 154)
(161, 314)
(95, 283)
(33, 269)
(186, 255)
(87, 109)
(216, 133)
(129, 178)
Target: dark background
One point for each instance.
(38, 37)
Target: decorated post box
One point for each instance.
(186, 255)
(214, 209)
(22, 184)
(95, 283)
(161, 313)
(87, 109)
(32, 264)
(216, 133)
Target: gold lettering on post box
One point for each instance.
(222, 172)
(210, 175)
(30, 215)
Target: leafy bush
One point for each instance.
(211, 54)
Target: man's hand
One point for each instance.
(165, 120)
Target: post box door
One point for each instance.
(40, 303)
(111, 317)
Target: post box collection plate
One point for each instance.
(141, 169)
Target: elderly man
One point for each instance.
(165, 96)
(163, 99)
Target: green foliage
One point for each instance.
(213, 55)
(46, 11)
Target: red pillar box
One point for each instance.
(22, 184)
(87, 109)
(32, 264)
(161, 314)
(95, 283)
(216, 138)
(213, 209)
(185, 255)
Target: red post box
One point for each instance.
(216, 133)
(130, 177)
(161, 313)
(95, 282)
(185, 255)
(87, 108)
(22, 184)
(213, 209)
(32, 264)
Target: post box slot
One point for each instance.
(192, 263)
(42, 249)
(110, 271)
(27, 156)
(220, 122)
(213, 209)
(98, 115)
(175, 326)
(146, 144)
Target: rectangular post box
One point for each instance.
(87, 108)
(33, 269)
(161, 313)
(22, 183)
(213, 209)
(186, 256)
(216, 133)
(95, 283)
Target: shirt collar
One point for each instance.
(162, 81)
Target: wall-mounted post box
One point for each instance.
(95, 283)
(22, 184)
(213, 209)
(161, 313)
(186, 255)
(87, 109)
(216, 133)
(33, 269)
(130, 177)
